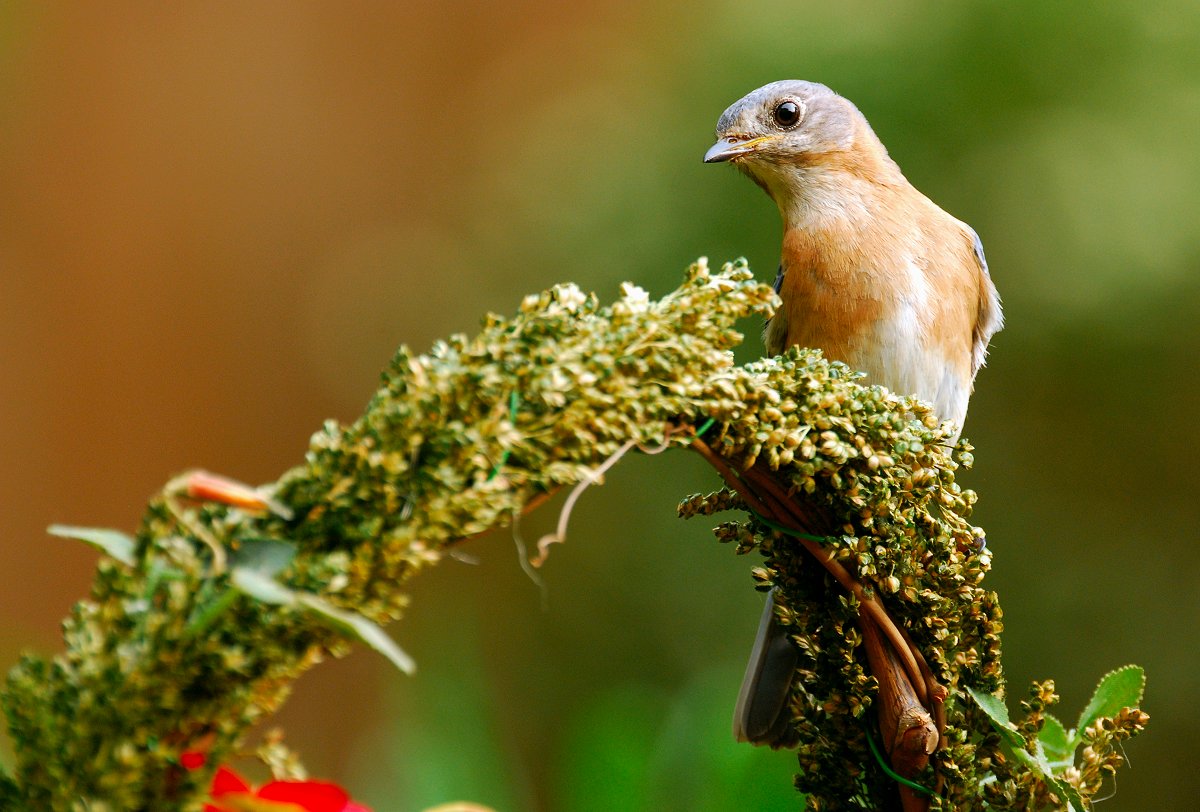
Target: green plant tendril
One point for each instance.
(512, 416)
(892, 774)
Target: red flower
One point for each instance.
(231, 793)
(193, 760)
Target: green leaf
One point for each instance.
(1068, 793)
(112, 543)
(264, 556)
(1054, 740)
(997, 712)
(268, 590)
(1039, 765)
(363, 628)
(261, 587)
(1038, 762)
(1119, 689)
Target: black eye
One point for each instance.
(787, 114)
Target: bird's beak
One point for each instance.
(730, 147)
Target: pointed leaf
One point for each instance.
(265, 556)
(1053, 738)
(997, 712)
(363, 628)
(112, 543)
(1117, 690)
(1041, 767)
(268, 590)
(261, 587)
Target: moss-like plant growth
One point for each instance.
(198, 624)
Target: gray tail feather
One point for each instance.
(760, 715)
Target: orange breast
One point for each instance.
(832, 298)
(895, 295)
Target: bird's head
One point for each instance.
(781, 132)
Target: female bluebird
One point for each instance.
(872, 272)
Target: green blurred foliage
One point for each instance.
(220, 220)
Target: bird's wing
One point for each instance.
(990, 317)
(775, 328)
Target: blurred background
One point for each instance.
(218, 220)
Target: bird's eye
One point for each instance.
(787, 114)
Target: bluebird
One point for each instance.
(872, 272)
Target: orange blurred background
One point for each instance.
(219, 220)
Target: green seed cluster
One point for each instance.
(166, 656)
(874, 474)
(456, 442)
(877, 474)
(1099, 755)
(101, 726)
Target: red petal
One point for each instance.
(192, 759)
(313, 796)
(226, 780)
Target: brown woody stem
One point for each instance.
(911, 710)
